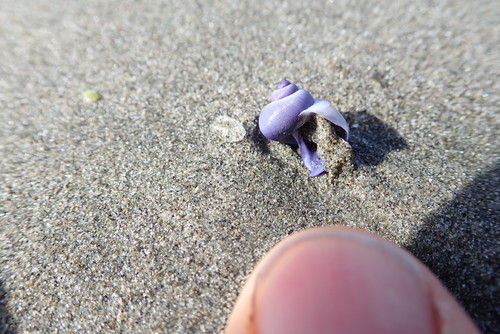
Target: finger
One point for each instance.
(344, 280)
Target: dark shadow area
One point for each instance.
(256, 136)
(6, 322)
(461, 245)
(371, 139)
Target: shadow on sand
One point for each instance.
(371, 139)
(6, 323)
(461, 245)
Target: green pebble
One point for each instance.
(91, 95)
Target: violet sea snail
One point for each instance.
(291, 108)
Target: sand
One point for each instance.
(145, 211)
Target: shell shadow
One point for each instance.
(256, 136)
(371, 139)
(460, 244)
(6, 323)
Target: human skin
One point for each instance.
(344, 280)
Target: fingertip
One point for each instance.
(346, 280)
(450, 316)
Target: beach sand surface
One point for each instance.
(145, 208)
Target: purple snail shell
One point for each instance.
(291, 108)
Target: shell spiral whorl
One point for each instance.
(285, 88)
(280, 118)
